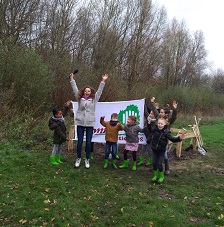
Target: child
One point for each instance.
(85, 116)
(111, 137)
(165, 113)
(147, 146)
(161, 135)
(131, 129)
(56, 123)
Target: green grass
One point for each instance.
(35, 193)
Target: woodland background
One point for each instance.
(145, 55)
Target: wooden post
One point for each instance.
(178, 149)
(71, 137)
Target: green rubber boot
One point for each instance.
(117, 156)
(134, 166)
(161, 177)
(52, 160)
(58, 159)
(155, 175)
(149, 162)
(114, 164)
(105, 163)
(90, 155)
(125, 164)
(141, 161)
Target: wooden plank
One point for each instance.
(178, 149)
(71, 137)
(176, 130)
(189, 135)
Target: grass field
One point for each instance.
(35, 193)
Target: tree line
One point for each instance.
(145, 54)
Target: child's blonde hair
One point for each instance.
(165, 120)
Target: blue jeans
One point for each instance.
(110, 145)
(166, 153)
(80, 135)
(56, 149)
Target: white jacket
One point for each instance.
(85, 115)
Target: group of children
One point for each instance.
(156, 130)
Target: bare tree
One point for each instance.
(196, 62)
(218, 81)
(141, 44)
(184, 56)
(16, 19)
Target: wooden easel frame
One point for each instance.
(194, 134)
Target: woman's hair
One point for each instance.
(167, 110)
(133, 118)
(81, 92)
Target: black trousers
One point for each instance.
(133, 155)
(157, 160)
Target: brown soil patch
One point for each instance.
(175, 162)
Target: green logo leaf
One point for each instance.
(131, 110)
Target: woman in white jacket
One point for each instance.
(85, 115)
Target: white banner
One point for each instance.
(123, 109)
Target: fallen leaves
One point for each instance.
(22, 221)
(192, 219)
(47, 201)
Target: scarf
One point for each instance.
(58, 119)
(113, 123)
(86, 98)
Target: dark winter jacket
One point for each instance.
(160, 138)
(59, 128)
(147, 133)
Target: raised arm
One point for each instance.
(74, 86)
(101, 87)
(102, 122)
(146, 112)
(66, 108)
(152, 106)
(174, 113)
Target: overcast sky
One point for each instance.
(206, 16)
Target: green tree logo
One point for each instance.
(131, 110)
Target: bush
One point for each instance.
(23, 71)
